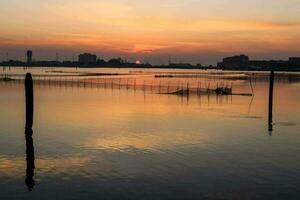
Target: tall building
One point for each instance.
(236, 59)
(234, 62)
(29, 56)
(87, 58)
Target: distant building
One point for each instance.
(242, 62)
(234, 62)
(294, 59)
(29, 56)
(87, 58)
(235, 59)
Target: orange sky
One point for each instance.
(188, 31)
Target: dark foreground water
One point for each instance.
(99, 143)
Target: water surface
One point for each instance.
(93, 143)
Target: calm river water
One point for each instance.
(104, 143)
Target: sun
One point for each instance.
(138, 62)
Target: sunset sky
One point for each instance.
(195, 31)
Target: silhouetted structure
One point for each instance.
(235, 62)
(30, 166)
(270, 121)
(28, 133)
(87, 58)
(242, 62)
(29, 57)
(294, 59)
(29, 101)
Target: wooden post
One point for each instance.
(29, 181)
(29, 101)
(251, 82)
(270, 121)
(30, 166)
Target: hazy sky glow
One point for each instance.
(194, 31)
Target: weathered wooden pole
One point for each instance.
(30, 166)
(29, 101)
(270, 121)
